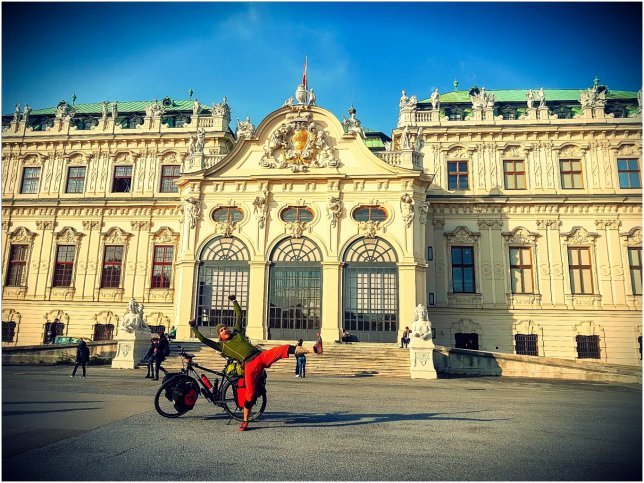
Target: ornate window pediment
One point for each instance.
(629, 150)
(579, 236)
(462, 236)
(571, 151)
(520, 236)
(633, 238)
(116, 236)
(514, 152)
(527, 327)
(165, 235)
(22, 235)
(458, 152)
(68, 236)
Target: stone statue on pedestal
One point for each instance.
(421, 346)
(133, 338)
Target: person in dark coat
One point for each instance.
(163, 350)
(149, 357)
(82, 356)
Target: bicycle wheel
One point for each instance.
(163, 402)
(235, 412)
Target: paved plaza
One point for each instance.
(321, 428)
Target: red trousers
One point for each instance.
(253, 369)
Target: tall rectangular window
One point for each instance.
(8, 331)
(457, 175)
(635, 267)
(75, 179)
(629, 173)
(514, 174)
(521, 270)
(526, 344)
(122, 179)
(463, 269)
(162, 266)
(588, 347)
(17, 269)
(112, 265)
(580, 269)
(571, 174)
(168, 175)
(64, 267)
(30, 180)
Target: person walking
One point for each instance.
(82, 356)
(162, 351)
(300, 362)
(149, 357)
(254, 360)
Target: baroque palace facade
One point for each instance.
(514, 216)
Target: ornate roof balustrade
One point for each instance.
(406, 159)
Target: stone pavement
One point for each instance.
(321, 428)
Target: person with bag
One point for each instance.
(162, 351)
(82, 357)
(254, 360)
(149, 357)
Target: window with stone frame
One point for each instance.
(521, 271)
(580, 270)
(628, 171)
(162, 266)
(635, 269)
(231, 214)
(168, 174)
(64, 265)
(30, 180)
(122, 182)
(17, 266)
(571, 174)
(369, 213)
(8, 331)
(112, 266)
(457, 175)
(514, 174)
(588, 347)
(463, 280)
(75, 179)
(526, 344)
(297, 214)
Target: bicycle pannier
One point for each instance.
(166, 378)
(184, 395)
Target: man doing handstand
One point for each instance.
(254, 360)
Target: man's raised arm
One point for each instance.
(210, 343)
(238, 315)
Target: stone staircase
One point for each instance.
(355, 359)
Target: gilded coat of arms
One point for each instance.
(298, 145)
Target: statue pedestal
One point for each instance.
(421, 355)
(131, 348)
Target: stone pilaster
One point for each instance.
(256, 313)
(551, 264)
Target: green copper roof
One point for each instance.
(519, 95)
(123, 107)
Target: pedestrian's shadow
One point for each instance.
(345, 418)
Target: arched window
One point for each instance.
(223, 270)
(370, 291)
(295, 290)
(228, 213)
(297, 213)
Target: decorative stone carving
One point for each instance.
(520, 236)
(544, 224)
(68, 236)
(594, 96)
(334, 210)
(423, 210)
(633, 238)
(22, 236)
(296, 228)
(352, 124)
(192, 210)
(527, 327)
(46, 225)
(133, 319)
(165, 235)
(225, 228)
(629, 150)
(579, 236)
(116, 236)
(92, 225)
(16, 114)
(458, 152)
(407, 209)
(513, 152)
(154, 109)
(435, 99)
(245, 129)
(369, 228)
(462, 236)
(421, 328)
(530, 97)
(260, 208)
(298, 145)
(481, 99)
(571, 152)
(221, 109)
(608, 224)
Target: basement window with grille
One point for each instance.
(526, 344)
(588, 347)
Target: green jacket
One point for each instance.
(237, 347)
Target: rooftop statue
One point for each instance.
(541, 95)
(300, 94)
(594, 96)
(288, 102)
(221, 109)
(403, 99)
(245, 128)
(530, 96)
(352, 124)
(435, 98)
(26, 112)
(405, 139)
(104, 110)
(481, 99)
(114, 109)
(16, 114)
(311, 98)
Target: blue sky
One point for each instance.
(359, 53)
